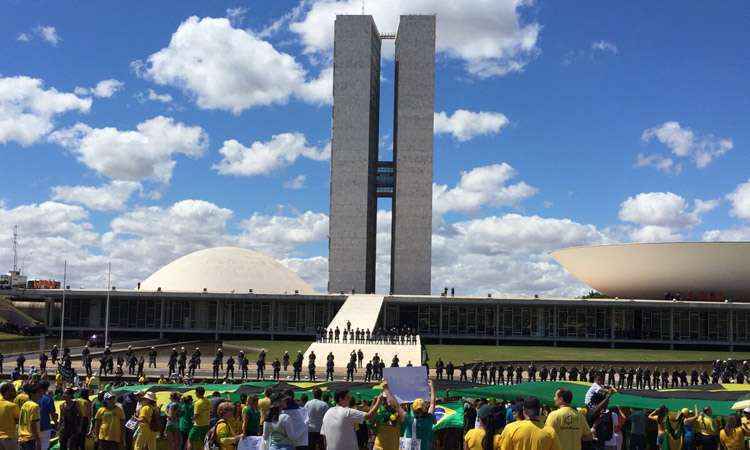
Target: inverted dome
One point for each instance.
(226, 269)
(697, 270)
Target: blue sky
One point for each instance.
(585, 123)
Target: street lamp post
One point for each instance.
(106, 319)
(62, 307)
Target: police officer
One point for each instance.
(152, 357)
(276, 365)
(350, 369)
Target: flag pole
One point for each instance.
(106, 319)
(62, 307)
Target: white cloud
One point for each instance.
(28, 110)
(236, 15)
(49, 34)
(604, 46)
(227, 68)
(264, 157)
(163, 98)
(50, 232)
(109, 197)
(295, 183)
(280, 235)
(103, 89)
(728, 235)
(465, 125)
(663, 209)
(313, 270)
(485, 185)
(653, 233)
(46, 33)
(684, 143)
(508, 255)
(661, 215)
(134, 155)
(660, 163)
(489, 37)
(740, 199)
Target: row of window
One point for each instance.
(510, 321)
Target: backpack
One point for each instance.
(210, 442)
(156, 424)
(603, 427)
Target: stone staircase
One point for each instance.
(362, 311)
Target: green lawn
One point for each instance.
(11, 337)
(467, 353)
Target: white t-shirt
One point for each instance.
(338, 427)
(316, 409)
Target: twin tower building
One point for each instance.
(358, 176)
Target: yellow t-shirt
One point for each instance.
(387, 437)
(525, 435)
(225, 435)
(734, 441)
(145, 418)
(93, 381)
(570, 426)
(474, 437)
(707, 425)
(18, 384)
(85, 407)
(264, 405)
(21, 399)
(110, 428)
(9, 414)
(29, 415)
(202, 409)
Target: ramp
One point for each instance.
(386, 352)
(362, 311)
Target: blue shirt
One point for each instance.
(46, 406)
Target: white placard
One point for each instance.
(407, 383)
(250, 443)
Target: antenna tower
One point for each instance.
(15, 248)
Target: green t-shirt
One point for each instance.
(424, 428)
(185, 413)
(253, 421)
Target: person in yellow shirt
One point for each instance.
(109, 424)
(525, 434)
(264, 405)
(388, 422)
(201, 419)
(732, 436)
(475, 439)
(569, 424)
(708, 430)
(226, 436)
(22, 396)
(28, 421)
(9, 415)
(145, 436)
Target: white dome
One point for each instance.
(226, 269)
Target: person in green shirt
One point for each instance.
(421, 418)
(251, 417)
(185, 423)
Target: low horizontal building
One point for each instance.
(228, 292)
(435, 318)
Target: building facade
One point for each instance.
(359, 177)
(492, 321)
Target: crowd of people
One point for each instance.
(646, 377)
(394, 336)
(279, 420)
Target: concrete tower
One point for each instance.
(358, 178)
(354, 154)
(414, 106)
